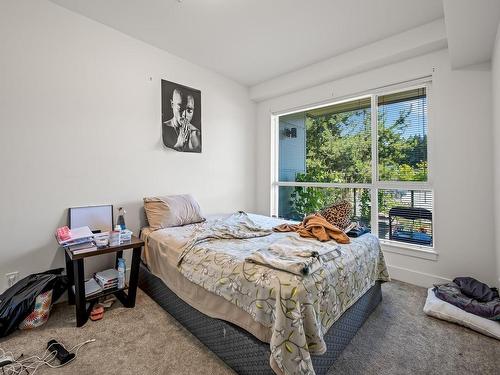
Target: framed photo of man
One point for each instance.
(180, 117)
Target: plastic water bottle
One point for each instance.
(121, 273)
(121, 218)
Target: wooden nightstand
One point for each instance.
(75, 272)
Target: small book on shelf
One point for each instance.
(107, 275)
(91, 288)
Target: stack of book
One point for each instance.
(102, 281)
(107, 279)
(78, 240)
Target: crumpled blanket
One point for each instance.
(295, 255)
(475, 289)
(236, 226)
(315, 226)
(451, 293)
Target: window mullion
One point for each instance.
(274, 194)
(404, 185)
(374, 191)
(342, 185)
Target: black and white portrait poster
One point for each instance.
(181, 117)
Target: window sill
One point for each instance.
(415, 251)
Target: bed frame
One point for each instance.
(241, 350)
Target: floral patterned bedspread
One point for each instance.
(298, 309)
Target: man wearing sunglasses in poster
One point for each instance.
(178, 132)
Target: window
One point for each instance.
(328, 140)
(402, 136)
(370, 150)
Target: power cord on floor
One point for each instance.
(31, 364)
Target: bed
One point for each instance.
(258, 319)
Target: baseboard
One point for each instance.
(414, 277)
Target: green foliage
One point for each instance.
(338, 149)
(365, 203)
(306, 200)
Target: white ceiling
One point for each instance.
(252, 41)
(471, 27)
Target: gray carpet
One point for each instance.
(397, 339)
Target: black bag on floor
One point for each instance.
(17, 302)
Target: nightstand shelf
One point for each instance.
(103, 293)
(75, 271)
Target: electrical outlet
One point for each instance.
(12, 278)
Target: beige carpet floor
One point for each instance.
(397, 339)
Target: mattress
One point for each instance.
(203, 262)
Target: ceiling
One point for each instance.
(471, 28)
(251, 41)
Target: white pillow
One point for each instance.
(446, 311)
(172, 211)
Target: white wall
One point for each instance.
(462, 161)
(496, 139)
(80, 124)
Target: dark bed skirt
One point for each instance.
(241, 350)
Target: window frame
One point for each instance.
(427, 252)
